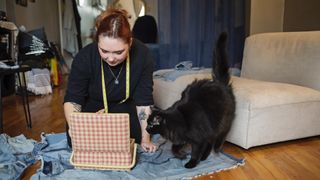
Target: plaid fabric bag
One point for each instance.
(101, 141)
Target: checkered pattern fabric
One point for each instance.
(103, 158)
(101, 139)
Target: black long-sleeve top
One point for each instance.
(85, 87)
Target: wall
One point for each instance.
(266, 16)
(301, 15)
(41, 13)
(3, 6)
(152, 8)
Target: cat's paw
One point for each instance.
(191, 164)
(204, 156)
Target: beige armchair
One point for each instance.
(277, 94)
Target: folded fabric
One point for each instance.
(38, 81)
(184, 65)
(173, 74)
(15, 155)
(5, 66)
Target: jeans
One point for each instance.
(15, 155)
(54, 153)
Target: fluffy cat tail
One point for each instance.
(221, 66)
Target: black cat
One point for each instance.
(203, 116)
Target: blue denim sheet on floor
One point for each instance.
(159, 165)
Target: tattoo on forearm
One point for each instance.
(142, 115)
(77, 107)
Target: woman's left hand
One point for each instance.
(148, 146)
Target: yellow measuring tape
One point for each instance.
(104, 91)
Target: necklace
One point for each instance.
(104, 91)
(116, 78)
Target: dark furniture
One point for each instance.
(145, 29)
(24, 93)
(9, 68)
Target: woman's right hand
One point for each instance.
(101, 111)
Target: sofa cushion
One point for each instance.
(268, 112)
(261, 94)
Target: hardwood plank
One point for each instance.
(299, 159)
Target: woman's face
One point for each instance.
(113, 50)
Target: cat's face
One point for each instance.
(155, 123)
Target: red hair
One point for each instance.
(113, 23)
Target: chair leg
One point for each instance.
(25, 100)
(1, 114)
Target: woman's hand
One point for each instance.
(101, 111)
(148, 146)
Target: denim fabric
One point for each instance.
(21, 144)
(159, 165)
(51, 168)
(184, 65)
(172, 74)
(12, 171)
(55, 142)
(55, 162)
(54, 154)
(162, 155)
(6, 151)
(15, 155)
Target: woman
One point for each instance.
(126, 65)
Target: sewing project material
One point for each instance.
(102, 141)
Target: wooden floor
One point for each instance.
(299, 159)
